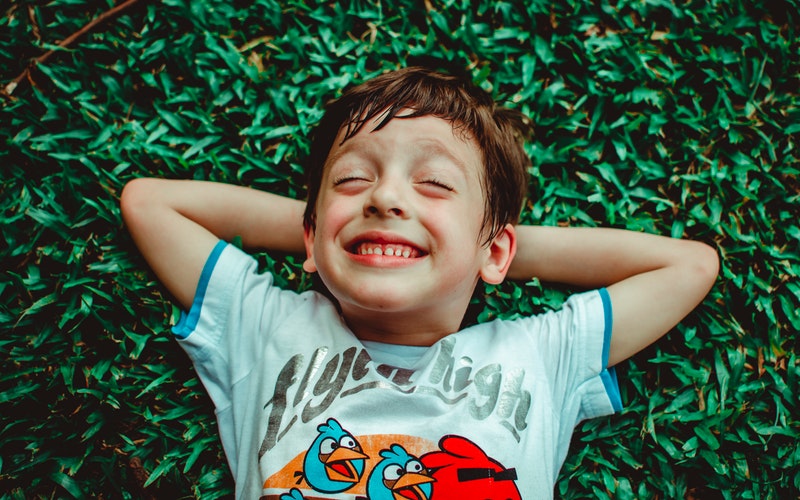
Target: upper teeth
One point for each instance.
(388, 250)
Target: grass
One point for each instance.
(675, 118)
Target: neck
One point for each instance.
(417, 329)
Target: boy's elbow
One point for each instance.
(705, 264)
(129, 198)
(136, 199)
(134, 195)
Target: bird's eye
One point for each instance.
(327, 446)
(393, 473)
(414, 466)
(347, 442)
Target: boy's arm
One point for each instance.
(176, 224)
(653, 281)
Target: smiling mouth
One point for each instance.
(387, 249)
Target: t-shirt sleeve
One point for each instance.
(573, 345)
(215, 331)
(606, 374)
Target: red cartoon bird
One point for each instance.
(463, 471)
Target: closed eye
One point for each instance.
(352, 178)
(439, 184)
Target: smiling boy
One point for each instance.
(415, 185)
(398, 231)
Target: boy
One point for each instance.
(415, 185)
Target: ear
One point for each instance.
(309, 265)
(500, 253)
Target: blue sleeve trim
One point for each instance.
(188, 321)
(609, 378)
(608, 319)
(609, 375)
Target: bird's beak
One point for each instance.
(410, 483)
(339, 465)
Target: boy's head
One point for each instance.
(412, 92)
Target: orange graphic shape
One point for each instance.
(372, 445)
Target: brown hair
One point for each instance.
(499, 133)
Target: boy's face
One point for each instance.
(398, 225)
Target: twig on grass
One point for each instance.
(26, 74)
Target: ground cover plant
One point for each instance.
(681, 118)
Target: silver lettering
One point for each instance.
(487, 383)
(330, 384)
(331, 376)
(286, 378)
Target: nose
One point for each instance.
(386, 200)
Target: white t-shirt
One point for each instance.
(303, 404)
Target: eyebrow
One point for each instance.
(425, 147)
(432, 148)
(344, 149)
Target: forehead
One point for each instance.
(423, 136)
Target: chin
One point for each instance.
(382, 304)
(375, 295)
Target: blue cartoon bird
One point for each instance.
(335, 461)
(399, 476)
(294, 494)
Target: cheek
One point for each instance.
(461, 221)
(332, 214)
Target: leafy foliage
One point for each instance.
(679, 118)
